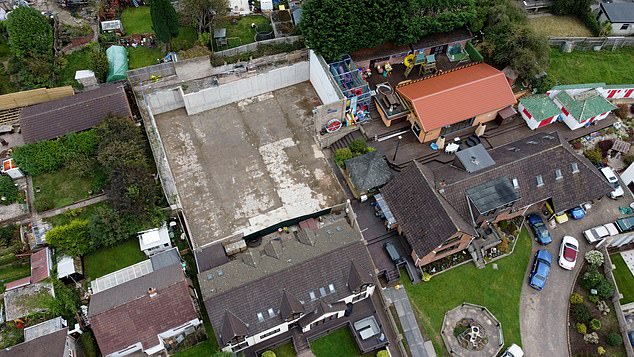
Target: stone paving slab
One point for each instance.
(406, 315)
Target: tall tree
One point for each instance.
(30, 33)
(203, 13)
(164, 20)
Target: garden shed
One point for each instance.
(118, 60)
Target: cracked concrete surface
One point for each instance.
(246, 166)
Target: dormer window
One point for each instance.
(540, 181)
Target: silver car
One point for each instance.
(596, 234)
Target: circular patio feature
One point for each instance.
(472, 331)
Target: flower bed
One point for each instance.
(593, 325)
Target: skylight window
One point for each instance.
(516, 183)
(558, 174)
(312, 295)
(331, 287)
(322, 291)
(575, 167)
(260, 317)
(271, 313)
(540, 181)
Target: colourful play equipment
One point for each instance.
(426, 63)
(354, 87)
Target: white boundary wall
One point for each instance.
(321, 80)
(163, 101)
(231, 92)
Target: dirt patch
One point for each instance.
(559, 26)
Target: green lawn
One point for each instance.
(558, 26)
(242, 29)
(137, 20)
(143, 56)
(591, 67)
(498, 290)
(339, 343)
(285, 350)
(203, 349)
(62, 188)
(107, 260)
(76, 61)
(624, 278)
(186, 38)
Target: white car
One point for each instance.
(613, 181)
(596, 234)
(568, 252)
(513, 351)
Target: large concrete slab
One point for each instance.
(246, 166)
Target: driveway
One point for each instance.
(544, 314)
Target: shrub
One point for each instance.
(382, 353)
(628, 160)
(504, 247)
(8, 191)
(576, 299)
(622, 111)
(601, 351)
(595, 156)
(605, 289)
(458, 330)
(43, 203)
(595, 324)
(581, 313)
(268, 354)
(591, 338)
(577, 145)
(72, 238)
(358, 147)
(614, 339)
(591, 279)
(341, 155)
(581, 328)
(605, 145)
(603, 307)
(593, 299)
(594, 257)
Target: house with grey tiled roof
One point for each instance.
(294, 286)
(582, 109)
(150, 313)
(47, 339)
(72, 114)
(434, 207)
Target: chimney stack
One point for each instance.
(152, 292)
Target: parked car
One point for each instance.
(561, 217)
(577, 213)
(541, 268)
(625, 224)
(596, 234)
(393, 253)
(542, 235)
(630, 336)
(568, 252)
(613, 181)
(513, 351)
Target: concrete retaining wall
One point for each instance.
(326, 89)
(166, 100)
(275, 79)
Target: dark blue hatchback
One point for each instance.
(541, 268)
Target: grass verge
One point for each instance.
(499, 290)
(107, 260)
(624, 278)
(612, 67)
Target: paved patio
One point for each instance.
(628, 256)
(486, 331)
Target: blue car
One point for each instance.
(541, 268)
(542, 235)
(577, 213)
